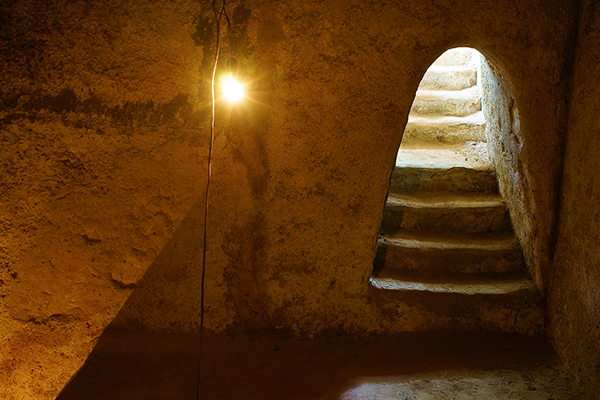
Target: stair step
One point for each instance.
(445, 211)
(466, 155)
(458, 103)
(460, 168)
(504, 302)
(447, 253)
(456, 56)
(516, 285)
(449, 77)
(436, 254)
(439, 130)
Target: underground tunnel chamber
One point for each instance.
(441, 255)
(446, 235)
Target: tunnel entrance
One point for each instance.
(445, 228)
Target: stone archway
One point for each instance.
(446, 231)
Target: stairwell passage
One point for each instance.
(446, 242)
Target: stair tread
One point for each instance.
(436, 240)
(455, 56)
(456, 283)
(449, 78)
(471, 155)
(435, 120)
(447, 102)
(462, 67)
(445, 212)
(444, 200)
(443, 95)
(438, 131)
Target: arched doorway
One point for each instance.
(446, 233)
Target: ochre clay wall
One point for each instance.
(102, 157)
(512, 147)
(574, 291)
(105, 119)
(528, 159)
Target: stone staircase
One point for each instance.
(446, 243)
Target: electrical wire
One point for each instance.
(218, 15)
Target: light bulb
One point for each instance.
(233, 91)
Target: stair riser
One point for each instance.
(437, 311)
(415, 134)
(437, 262)
(457, 107)
(468, 220)
(449, 80)
(413, 180)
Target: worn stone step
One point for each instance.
(472, 155)
(518, 285)
(435, 254)
(502, 302)
(456, 56)
(458, 103)
(460, 168)
(441, 77)
(445, 211)
(436, 130)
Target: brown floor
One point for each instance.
(441, 365)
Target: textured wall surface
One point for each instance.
(101, 159)
(574, 294)
(509, 151)
(527, 147)
(105, 116)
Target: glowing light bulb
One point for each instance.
(233, 91)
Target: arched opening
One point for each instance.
(446, 229)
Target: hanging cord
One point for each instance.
(223, 13)
(218, 15)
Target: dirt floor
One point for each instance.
(439, 365)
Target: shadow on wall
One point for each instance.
(169, 294)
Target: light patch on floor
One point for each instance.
(541, 384)
(137, 365)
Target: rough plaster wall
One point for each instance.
(574, 294)
(509, 153)
(101, 159)
(528, 159)
(105, 117)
